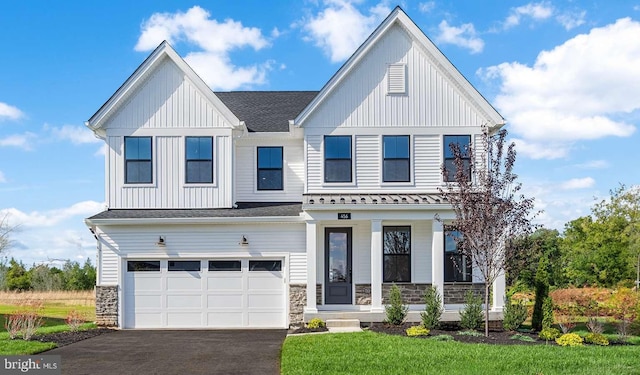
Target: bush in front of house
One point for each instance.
(596, 339)
(547, 313)
(514, 315)
(315, 323)
(569, 339)
(471, 315)
(417, 331)
(396, 311)
(433, 308)
(548, 334)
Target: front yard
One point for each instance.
(375, 353)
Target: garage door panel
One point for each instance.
(259, 282)
(269, 300)
(151, 283)
(233, 283)
(184, 301)
(226, 319)
(143, 319)
(150, 301)
(184, 319)
(221, 301)
(265, 319)
(183, 282)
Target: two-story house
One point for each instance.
(264, 209)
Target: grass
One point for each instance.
(372, 353)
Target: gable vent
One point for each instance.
(397, 79)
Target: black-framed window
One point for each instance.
(138, 163)
(199, 158)
(463, 142)
(224, 265)
(337, 158)
(184, 265)
(457, 267)
(396, 254)
(143, 266)
(396, 164)
(270, 168)
(265, 265)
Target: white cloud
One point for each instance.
(51, 217)
(9, 112)
(3, 179)
(571, 20)
(541, 150)
(24, 141)
(578, 183)
(464, 36)
(536, 11)
(427, 6)
(580, 90)
(75, 134)
(339, 28)
(215, 41)
(593, 164)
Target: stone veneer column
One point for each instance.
(376, 266)
(107, 305)
(297, 301)
(437, 257)
(312, 244)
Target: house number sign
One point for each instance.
(344, 215)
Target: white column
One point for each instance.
(437, 257)
(376, 266)
(498, 293)
(312, 244)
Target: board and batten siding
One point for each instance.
(247, 169)
(433, 97)
(203, 242)
(169, 189)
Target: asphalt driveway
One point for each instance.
(175, 352)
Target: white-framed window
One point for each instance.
(338, 166)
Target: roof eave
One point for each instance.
(195, 220)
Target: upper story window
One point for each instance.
(396, 165)
(270, 168)
(137, 160)
(396, 254)
(457, 266)
(463, 142)
(337, 158)
(199, 157)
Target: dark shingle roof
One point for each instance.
(248, 209)
(266, 111)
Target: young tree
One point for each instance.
(489, 208)
(5, 232)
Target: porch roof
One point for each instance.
(373, 199)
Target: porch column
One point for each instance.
(437, 257)
(312, 244)
(376, 266)
(498, 293)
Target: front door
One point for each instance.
(337, 276)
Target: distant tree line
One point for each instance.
(43, 277)
(601, 249)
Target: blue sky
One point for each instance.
(565, 75)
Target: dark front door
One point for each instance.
(337, 260)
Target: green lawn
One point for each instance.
(374, 353)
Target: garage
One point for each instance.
(204, 293)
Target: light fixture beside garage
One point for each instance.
(244, 241)
(161, 242)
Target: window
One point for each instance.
(463, 142)
(199, 160)
(265, 265)
(137, 156)
(337, 159)
(395, 166)
(184, 265)
(143, 266)
(224, 265)
(457, 267)
(269, 168)
(396, 254)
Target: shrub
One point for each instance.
(32, 321)
(442, 338)
(542, 292)
(624, 307)
(396, 311)
(470, 332)
(315, 323)
(471, 315)
(548, 334)
(547, 313)
(569, 339)
(417, 331)
(13, 325)
(521, 337)
(596, 339)
(74, 320)
(514, 315)
(433, 308)
(566, 323)
(594, 325)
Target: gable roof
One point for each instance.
(148, 66)
(266, 111)
(398, 16)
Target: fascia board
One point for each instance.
(195, 220)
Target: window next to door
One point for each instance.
(396, 254)
(457, 267)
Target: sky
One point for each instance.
(564, 74)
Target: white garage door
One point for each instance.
(204, 293)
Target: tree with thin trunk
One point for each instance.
(5, 232)
(490, 209)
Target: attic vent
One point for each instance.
(397, 79)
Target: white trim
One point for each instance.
(197, 220)
(376, 265)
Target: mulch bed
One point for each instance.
(66, 338)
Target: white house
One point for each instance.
(264, 209)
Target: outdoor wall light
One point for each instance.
(161, 242)
(244, 241)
